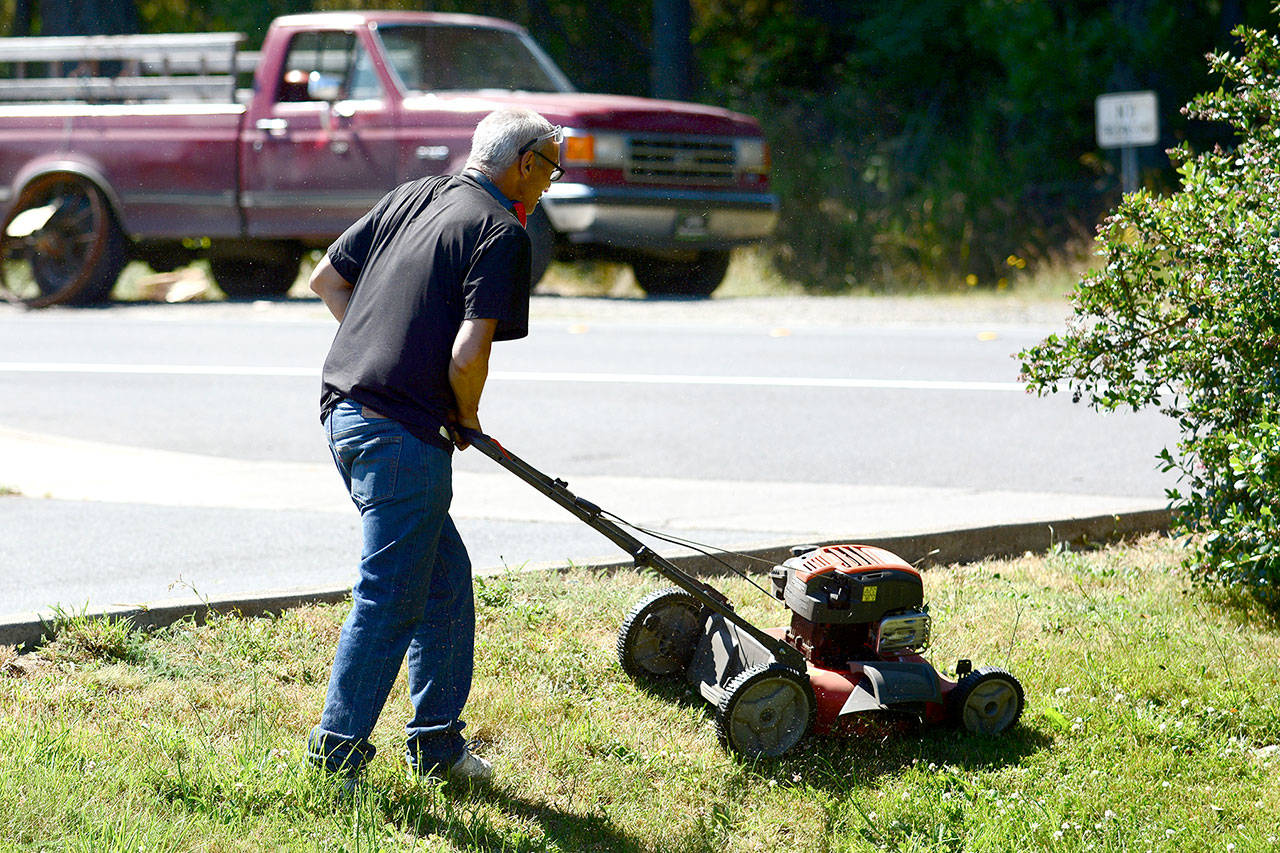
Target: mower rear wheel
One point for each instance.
(986, 701)
(659, 636)
(765, 711)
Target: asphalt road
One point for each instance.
(771, 396)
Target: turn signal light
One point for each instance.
(580, 149)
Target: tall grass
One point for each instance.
(1151, 707)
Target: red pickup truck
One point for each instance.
(142, 147)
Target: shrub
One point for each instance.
(1185, 315)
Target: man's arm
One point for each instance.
(468, 370)
(335, 291)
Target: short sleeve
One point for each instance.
(497, 284)
(350, 252)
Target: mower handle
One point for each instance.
(591, 515)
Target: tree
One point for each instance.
(672, 61)
(76, 17)
(1185, 316)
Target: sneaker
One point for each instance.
(470, 768)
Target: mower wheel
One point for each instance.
(659, 636)
(765, 710)
(986, 701)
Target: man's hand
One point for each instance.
(457, 426)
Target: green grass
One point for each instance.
(1150, 703)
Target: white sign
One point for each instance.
(1127, 119)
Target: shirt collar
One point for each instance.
(485, 181)
(515, 208)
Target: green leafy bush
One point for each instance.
(1186, 316)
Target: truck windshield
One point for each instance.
(434, 58)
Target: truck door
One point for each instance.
(323, 150)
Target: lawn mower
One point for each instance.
(858, 625)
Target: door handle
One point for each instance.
(273, 127)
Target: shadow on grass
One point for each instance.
(841, 764)
(450, 818)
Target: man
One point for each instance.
(421, 285)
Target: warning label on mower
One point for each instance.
(869, 593)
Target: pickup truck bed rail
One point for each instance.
(181, 66)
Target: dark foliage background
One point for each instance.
(913, 140)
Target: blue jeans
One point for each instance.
(414, 594)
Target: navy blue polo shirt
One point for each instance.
(430, 254)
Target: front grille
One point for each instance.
(666, 159)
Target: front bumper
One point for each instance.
(651, 218)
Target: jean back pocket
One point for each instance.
(374, 469)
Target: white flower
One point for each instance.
(1062, 691)
(1109, 814)
(1057, 835)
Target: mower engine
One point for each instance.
(851, 603)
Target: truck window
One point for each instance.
(443, 57)
(335, 58)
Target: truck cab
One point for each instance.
(343, 107)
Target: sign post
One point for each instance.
(1127, 120)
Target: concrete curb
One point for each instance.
(953, 546)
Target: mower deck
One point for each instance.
(858, 624)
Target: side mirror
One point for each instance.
(323, 87)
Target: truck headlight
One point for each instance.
(752, 155)
(589, 148)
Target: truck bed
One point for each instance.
(172, 168)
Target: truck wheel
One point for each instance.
(659, 635)
(986, 701)
(61, 244)
(665, 277)
(270, 271)
(543, 246)
(765, 710)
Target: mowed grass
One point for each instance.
(1151, 707)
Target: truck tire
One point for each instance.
(266, 271)
(658, 276)
(61, 244)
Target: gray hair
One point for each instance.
(496, 144)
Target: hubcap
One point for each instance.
(769, 716)
(991, 707)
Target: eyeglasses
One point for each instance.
(556, 135)
(556, 171)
